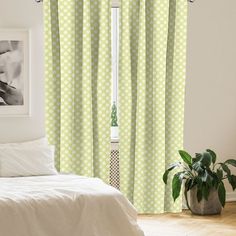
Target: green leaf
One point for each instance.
(198, 183)
(205, 176)
(186, 157)
(205, 191)
(216, 180)
(199, 194)
(198, 155)
(174, 165)
(209, 180)
(165, 176)
(232, 181)
(197, 167)
(198, 180)
(176, 185)
(188, 184)
(197, 158)
(221, 193)
(206, 159)
(213, 155)
(226, 169)
(219, 174)
(171, 167)
(231, 162)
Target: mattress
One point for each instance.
(64, 205)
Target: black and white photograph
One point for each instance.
(14, 72)
(11, 76)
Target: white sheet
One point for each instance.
(64, 205)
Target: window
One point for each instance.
(115, 71)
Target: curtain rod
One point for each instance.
(38, 1)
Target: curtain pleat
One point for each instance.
(78, 84)
(151, 95)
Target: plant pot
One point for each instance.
(115, 132)
(212, 206)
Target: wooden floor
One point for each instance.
(186, 224)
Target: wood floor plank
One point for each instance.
(186, 224)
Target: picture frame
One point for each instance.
(15, 73)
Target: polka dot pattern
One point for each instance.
(78, 84)
(151, 95)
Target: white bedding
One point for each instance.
(64, 205)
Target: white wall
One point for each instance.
(210, 110)
(26, 14)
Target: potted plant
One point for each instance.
(203, 178)
(114, 123)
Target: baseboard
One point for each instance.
(231, 197)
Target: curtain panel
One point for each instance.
(151, 96)
(78, 84)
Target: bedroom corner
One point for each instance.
(117, 117)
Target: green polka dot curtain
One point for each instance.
(151, 95)
(78, 77)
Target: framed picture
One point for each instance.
(14, 73)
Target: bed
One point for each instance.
(64, 205)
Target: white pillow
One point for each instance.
(27, 161)
(38, 142)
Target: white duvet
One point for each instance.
(64, 205)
